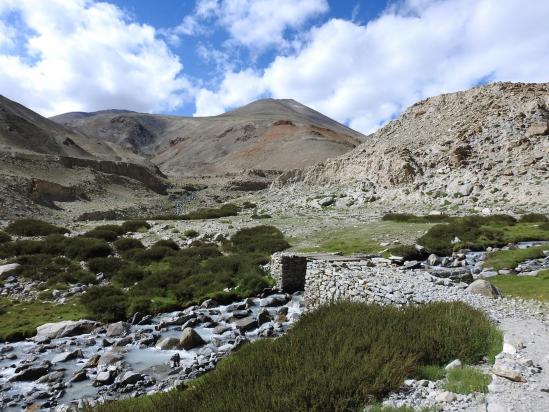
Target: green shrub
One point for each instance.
(20, 247)
(248, 205)
(467, 380)
(212, 213)
(169, 243)
(107, 265)
(258, 239)
(148, 256)
(105, 232)
(53, 270)
(510, 259)
(336, 358)
(86, 248)
(135, 225)
(33, 227)
(410, 218)
(4, 237)
(129, 275)
(544, 226)
(408, 252)
(105, 303)
(190, 233)
(127, 243)
(259, 217)
(533, 218)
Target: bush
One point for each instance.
(533, 218)
(544, 226)
(127, 243)
(258, 239)
(129, 275)
(148, 256)
(135, 225)
(248, 205)
(52, 269)
(105, 303)
(33, 227)
(86, 248)
(20, 247)
(169, 243)
(105, 232)
(410, 218)
(190, 234)
(4, 237)
(336, 358)
(212, 213)
(408, 252)
(107, 265)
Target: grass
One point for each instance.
(430, 372)
(364, 238)
(336, 358)
(18, 320)
(467, 380)
(525, 287)
(509, 259)
(381, 408)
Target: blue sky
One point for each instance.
(359, 61)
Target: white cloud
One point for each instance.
(236, 89)
(365, 75)
(256, 24)
(85, 55)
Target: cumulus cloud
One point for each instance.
(365, 75)
(85, 55)
(255, 24)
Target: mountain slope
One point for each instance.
(267, 134)
(489, 143)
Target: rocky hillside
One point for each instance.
(43, 162)
(487, 144)
(267, 134)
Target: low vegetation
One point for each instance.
(467, 380)
(18, 320)
(410, 218)
(525, 287)
(33, 227)
(136, 225)
(4, 237)
(225, 210)
(533, 218)
(509, 259)
(339, 357)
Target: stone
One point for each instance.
(273, 301)
(484, 288)
(108, 358)
(487, 274)
(130, 378)
(538, 129)
(103, 378)
(456, 363)
(433, 260)
(167, 343)
(190, 339)
(446, 397)
(411, 264)
(93, 361)
(508, 370)
(9, 267)
(220, 329)
(118, 329)
(31, 373)
(79, 376)
(246, 324)
(263, 317)
(326, 201)
(67, 356)
(64, 329)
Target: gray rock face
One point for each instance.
(190, 339)
(64, 329)
(167, 343)
(485, 288)
(108, 358)
(118, 329)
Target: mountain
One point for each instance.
(43, 162)
(488, 144)
(267, 134)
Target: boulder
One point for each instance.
(167, 343)
(485, 288)
(118, 329)
(129, 378)
(456, 363)
(326, 201)
(538, 129)
(263, 317)
(103, 378)
(246, 324)
(9, 267)
(446, 397)
(31, 373)
(67, 356)
(274, 300)
(433, 260)
(108, 358)
(64, 329)
(220, 329)
(508, 370)
(190, 339)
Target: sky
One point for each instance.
(361, 62)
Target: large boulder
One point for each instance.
(64, 329)
(484, 288)
(167, 343)
(108, 358)
(246, 324)
(9, 267)
(67, 356)
(190, 339)
(31, 373)
(118, 329)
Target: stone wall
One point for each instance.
(288, 271)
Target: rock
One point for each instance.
(52, 377)
(64, 329)
(246, 324)
(263, 317)
(66, 356)
(453, 365)
(167, 343)
(433, 260)
(103, 378)
(209, 303)
(446, 397)
(120, 343)
(79, 376)
(487, 274)
(485, 288)
(93, 361)
(273, 301)
(538, 129)
(326, 201)
(118, 329)
(508, 370)
(129, 378)
(504, 272)
(31, 373)
(108, 358)
(220, 329)
(411, 264)
(9, 267)
(190, 339)
(466, 189)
